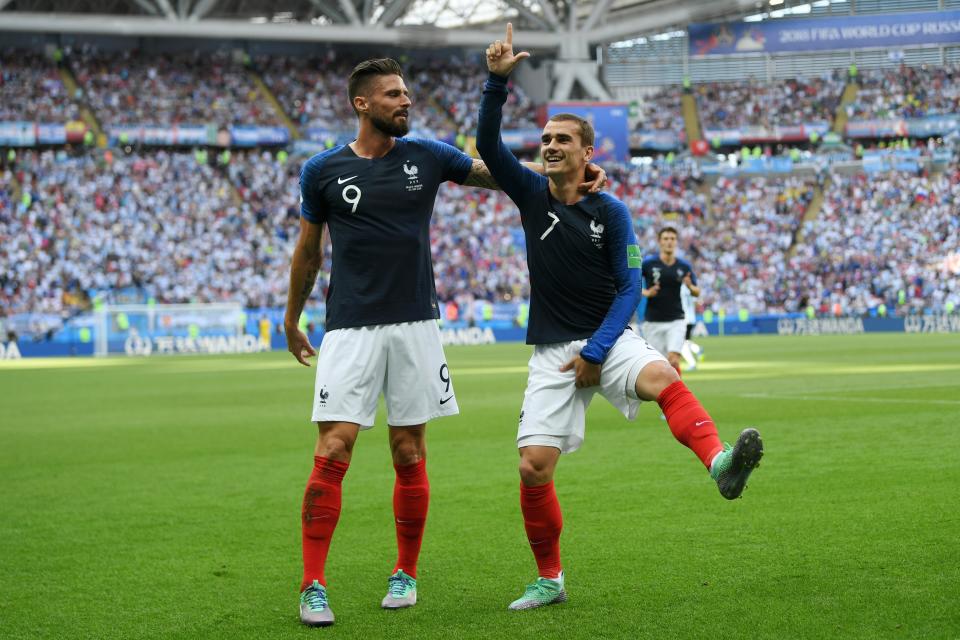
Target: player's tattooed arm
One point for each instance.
(307, 259)
(479, 176)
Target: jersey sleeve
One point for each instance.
(624, 255)
(312, 207)
(455, 165)
(511, 176)
(693, 276)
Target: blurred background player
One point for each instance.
(376, 195)
(665, 274)
(584, 272)
(691, 351)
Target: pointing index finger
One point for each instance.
(509, 33)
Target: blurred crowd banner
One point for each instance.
(930, 126)
(198, 134)
(820, 34)
(144, 345)
(31, 134)
(755, 134)
(655, 140)
(609, 120)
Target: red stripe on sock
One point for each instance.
(320, 514)
(544, 522)
(689, 422)
(411, 498)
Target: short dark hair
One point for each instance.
(586, 129)
(667, 230)
(367, 70)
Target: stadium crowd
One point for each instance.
(184, 88)
(884, 240)
(660, 111)
(907, 92)
(31, 89)
(731, 105)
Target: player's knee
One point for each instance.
(406, 453)
(654, 378)
(335, 447)
(407, 445)
(534, 472)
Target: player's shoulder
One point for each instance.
(685, 264)
(433, 147)
(315, 164)
(608, 206)
(652, 259)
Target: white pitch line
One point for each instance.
(772, 396)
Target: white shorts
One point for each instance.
(666, 336)
(405, 361)
(554, 409)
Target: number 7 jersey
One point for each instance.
(378, 214)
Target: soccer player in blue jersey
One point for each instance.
(584, 266)
(376, 196)
(665, 275)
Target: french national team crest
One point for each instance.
(596, 234)
(413, 181)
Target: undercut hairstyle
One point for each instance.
(586, 129)
(366, 71)
(667, 230)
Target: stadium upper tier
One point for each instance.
(131, 88)
(730, 105)
(907, 92)
(179, 227)
(186, 88)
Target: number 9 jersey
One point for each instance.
(378, 214)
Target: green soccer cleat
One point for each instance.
(314, 608)
(539, 594)
(734, 464)
(401, 591)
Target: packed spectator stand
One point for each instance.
(194, 225)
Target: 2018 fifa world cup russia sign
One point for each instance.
(824, 34)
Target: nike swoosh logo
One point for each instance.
(445, 400)
(697, 424)
(343, 180)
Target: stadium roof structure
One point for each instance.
(427, 22)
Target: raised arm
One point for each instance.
(514, 178)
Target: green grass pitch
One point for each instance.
(160, 498)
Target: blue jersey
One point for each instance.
(583, 258)
(666, 306)
(378, 212)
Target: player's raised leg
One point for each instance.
(693, 427)
(321, 512)
(411, 499)
(543, 522)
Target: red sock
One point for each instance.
(321, 511)
(690, 422)
(544, 522)
(411, 497)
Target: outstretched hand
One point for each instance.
(500, 56)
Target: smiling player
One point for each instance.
(584, 266)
